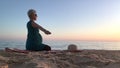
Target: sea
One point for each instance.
(63, 44)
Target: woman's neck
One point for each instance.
(31, 20)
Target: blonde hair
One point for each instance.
(31, 11)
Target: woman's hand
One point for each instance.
(47, 32)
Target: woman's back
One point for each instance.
(34, 39)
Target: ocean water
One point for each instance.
(62, 45)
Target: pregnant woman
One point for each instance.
(34, 38)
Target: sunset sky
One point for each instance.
(66, 19)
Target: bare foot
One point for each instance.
(8, 49)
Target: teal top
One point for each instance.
(34, 39)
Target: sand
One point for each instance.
(61, 59)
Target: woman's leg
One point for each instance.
(47, 48)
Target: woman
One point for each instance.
(34, 39)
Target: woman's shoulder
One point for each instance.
(30, 21)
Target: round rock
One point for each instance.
(72, 47)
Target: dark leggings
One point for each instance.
(47, 48)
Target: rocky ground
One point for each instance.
(61, 59)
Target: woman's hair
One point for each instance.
(31, 11)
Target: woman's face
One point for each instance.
(33, 16)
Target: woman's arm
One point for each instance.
(41, 28)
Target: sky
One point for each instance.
(66, 19)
